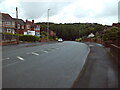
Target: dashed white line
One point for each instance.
(44, 51)
(35, 53)
(6, 58)
(91, 45)
(20, 58)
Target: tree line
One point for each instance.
(71, 31)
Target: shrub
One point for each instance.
(28, 38)
(78, 39)
(51, 38)
(113, 34)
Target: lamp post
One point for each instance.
(48, 23)
(17, 25)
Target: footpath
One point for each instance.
(100, 71)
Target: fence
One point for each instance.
(7, 39)
(115, 51)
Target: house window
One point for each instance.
(22, 27)
(18, 26)
(28, 26)
(7, 23)
(9, 30)
(13, 23)
(0, 22)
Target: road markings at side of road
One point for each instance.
(91, 45)
(6, 58)
(100, 45)
(22, 59)
(44, 51)
(35, 53)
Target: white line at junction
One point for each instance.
(20, 58)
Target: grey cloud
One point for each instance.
(109, 11)
(34, 10)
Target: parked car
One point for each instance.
(60, 40)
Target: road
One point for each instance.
(100, 70)
(55, 65)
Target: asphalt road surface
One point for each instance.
(55, 65)
(101, 71)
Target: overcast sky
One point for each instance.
(64, 11)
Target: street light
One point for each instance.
(48, 24)
(17, 25)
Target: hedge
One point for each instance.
(28, 38)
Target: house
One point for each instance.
(20, 26)
(116, 25)
(7, 23)
(31, 28)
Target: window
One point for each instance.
(9, 30)
(13, 23)
(22, 27)
(18, 26)
(28, 26)
(7, 23)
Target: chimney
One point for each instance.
(33, 21)
(26, 20)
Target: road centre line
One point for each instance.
(20, 58)
(44, 51)
(35, 53)
(6, 58)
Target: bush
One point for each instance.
(78, 39)
(113, 34)
(28, 38)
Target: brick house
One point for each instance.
(20, 25)
(31, 28)
(116, 25)
(7, 23)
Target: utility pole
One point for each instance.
(48, 24)
(17, 25)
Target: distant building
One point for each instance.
(7, 23)
(116, 25)
(18, 26)
(31, 28)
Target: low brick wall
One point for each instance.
(8, 43)
(115, 51)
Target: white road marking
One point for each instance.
(91, 45)
(20, 58)
(6, 58)
(35, 53)
(44, 51)
(99, 45)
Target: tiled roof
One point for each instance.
(20, 21)
(6, 17)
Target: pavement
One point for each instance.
(55, 65)
(100, 70)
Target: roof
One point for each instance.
(6, 17)
(20, 21)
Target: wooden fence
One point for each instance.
(115, 51)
